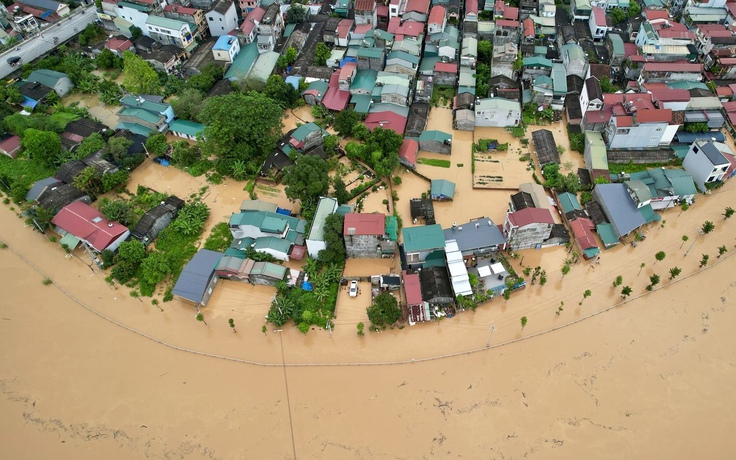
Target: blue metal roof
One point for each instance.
(194, 279)
(619, 207)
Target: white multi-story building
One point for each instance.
(706, 162)
(222, 18)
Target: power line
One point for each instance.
(288, 399)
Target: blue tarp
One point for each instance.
(283, 211)
(294, 81)
(307, 286)
(346, 60)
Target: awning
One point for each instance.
(70, 240)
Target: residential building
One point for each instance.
(469, 52)
(120, 44)
(420, 242)
(497, 112)
(436, 289)
(670, 71)
(416, 10)
(276, 247)
(582, 228)
(442, 190)
(505, 87)
(366, 12)
(307, 136)
(226, 48)
(88, 226)
(170, 31)
(272, 22)
(197, 280)
(316, 238)
(418, 308)
(156, 219)
(9, 145)
(408, 153)
(591, 96)
(477, 237)
(527, 228)
(256, 224)
(538, 195)
(706, 162)
(59, 82)
(663, 31)
(186, 129)
(597, 24)
(575, 60)
(667, 187)
(56, 196)
(618, 207)
(267, 273)
(580, 10)
(459, 278)
(249, 5)
(545, 148)
(471, 10)
(191, 15)
(437, 20)
(249, 27)
(222, 18)
(365, 235)
(144, 102)
(374, 59)
(616, 49)
(596, 158)
(435, 141)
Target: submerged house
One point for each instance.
(477, 237)
(365, 235)
(79, 222)
(442, 190)
(156, 219)
(316, 238)
(197, 280)
(420, 242)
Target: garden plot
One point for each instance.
(504, 165)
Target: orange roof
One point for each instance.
(437, 15)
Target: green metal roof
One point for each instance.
(540, 51)
(46, 77)
(537, 61)
(288, 30)
(362, 102)
(680, 150)
(435, 259)
(270, 222)
(243, 62)
(682, 182)
(325, 207)
(392, 228)
(320, 86)
(141, 114)
(264, 66)
(305, 130)
(591, 252)
(543, 80)
(151, 106)
(232, 252)
(648, 214)
(559, 78)
(274, 271)
(370, 52)
(686, 84)
(135, 6)
(568, 202)
(345, 209)
(574, 51)
(428, 63)
(271, 242)
(607, 234)
(168, 23)
(135, 128)
(597, 149)
(410, 58)
(423, 238)
(617, 44)
(70, 240)
(365, 79)
(435, 135)
(441, 187)
(640, 189)
(187, 127)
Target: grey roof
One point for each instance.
(522, 200)
(39, 187)
(435, 284)
(42, 4)
(714, 155)
(593, 85)
(545, 147)
(620, 208)
(194, 279)
(476, 234)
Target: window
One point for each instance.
(211, 19)
(622, 131)
(413, 258)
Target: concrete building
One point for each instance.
(222, 18)
(197, 280)
(316, 238)
(226, 48)
(706, 162)
(364, 235)
(527, 228)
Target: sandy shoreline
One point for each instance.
(649, 380)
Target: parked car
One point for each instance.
(353, 289)
(14, 60)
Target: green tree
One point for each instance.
(729, 211)
(117, 149)
(334, 240)
(586, 294)
(156, 144)
(131, 251)
(345, 121)
(704, 260)
(634, 9)
(241, 126)
(187, 104)
(722, 250)
(89, 180)
(220, 238)
(617, 282)
(625, 292)
(341, 191)
(280, 91)
(140, 76)
(264, 329)
(641, 267)
(675, 272)
(565, 270)
(231, 322)
(135, 32)
(485, 51)
(154, 268)
(117, 210)
(109, 92)
(618, 15)
(321, 54)
(660, 256)
(44, 146)
(384, 311)
(307, 177)
(708, 227)
(523, 322)
(108, 60)
(191, 219)
(184, 154)
(654, 280)
(607, 86)
(200, 318)
(684, 240)
(700, 127)
(361, 328)
(296, 13)
(91, 144)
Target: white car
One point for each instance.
(353, 289)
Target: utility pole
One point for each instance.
(700, 232)
(493, 328)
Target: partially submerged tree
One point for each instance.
(200, 317)
(728, 212)
(307, 177)
(384, 311)
(617, 282)
(704, 260)
(586, 294)
(708, 227)
(625, 292)
(140, 76)
(523, 322)
(660, 256)
(675, 272)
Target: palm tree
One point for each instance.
(565, 270)
(333, 273)
(674, 272)
(523, 322)
(660, 256)
(641, 267)
(708, 227)
(625, 292)
(231, 322)
(617, 282)
(155, 302)
(722, 250)
(321, 293)
(704, 260)
(200, 317)
(653, 280)
(586, 294)
(684, 239)
(728, 212)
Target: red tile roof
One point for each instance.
(365, 5)
(420, 6)
(654, 116)
(511, 12)
(471, 6)
(116, 44)
(335, 99)
(347, 70)
(411, 28)
(582, 229)
(630, 49)
(656, 14)
(729, 107)
(409, 151)
(364, 224)
(297, 252)
(344, 27)
(254, 16)
(625, 121)
(88, 224)
(507, 23)
(529, 216)
(386, 120)
(528, 27)
(671, 95)
(684, 34)
(437, 15)
(413, 289)
(672, 67)
(183, 10)
(10, 146)
(382, 11)
(598, 116)
(727, 61)
(393, 25)
(724, 91)
(449, 67)
(599, 16)
(362, 29)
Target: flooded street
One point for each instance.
(107, 114)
